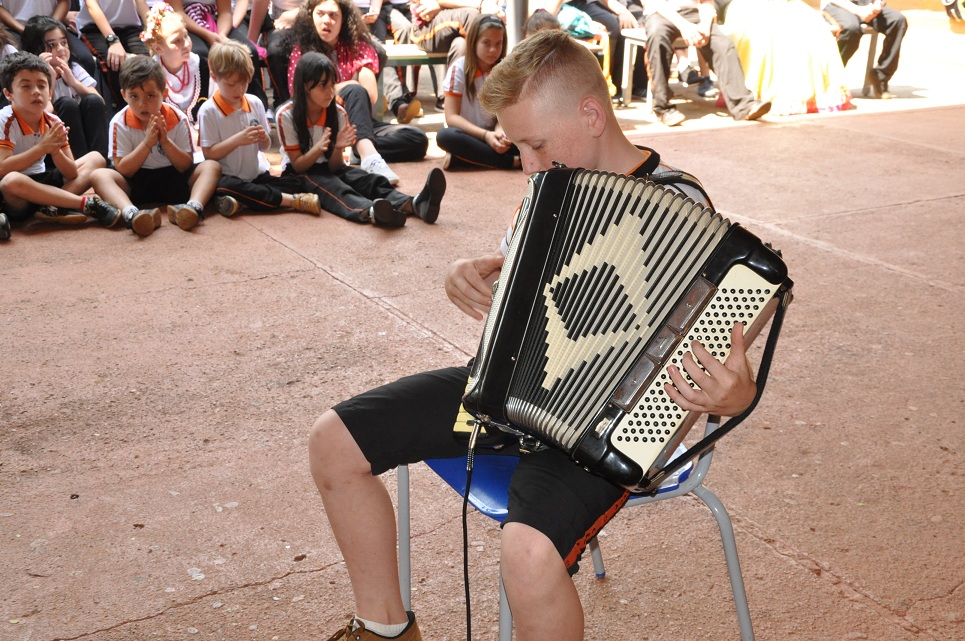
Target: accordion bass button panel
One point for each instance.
(653, 428)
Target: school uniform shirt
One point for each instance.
(184, 87)
(127, 132)
(218, 121)
(288, 137)
(17, 136)
(119, 13)
(63, 90)
(471, 110)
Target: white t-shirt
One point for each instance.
(127, 132)
(471, 110)
(16, 135)
(24, 10)
(288, 136)
(119, 13)
(63, 90)
(218, 121)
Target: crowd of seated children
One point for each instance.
(472, 137)
(153, 155)
(314, 133)
(234, 131)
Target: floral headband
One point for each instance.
(152, 25)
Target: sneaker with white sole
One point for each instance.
(228, 206)
(184, 216)
(144, 221)
(376, 165)
(103, 212)
(51, 214)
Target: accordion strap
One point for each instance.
(709, 440)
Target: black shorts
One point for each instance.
(164, 185)
(412, 419)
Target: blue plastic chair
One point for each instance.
(490, 493)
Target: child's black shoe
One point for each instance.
(103, 212)
(426, 203)
(5, 230)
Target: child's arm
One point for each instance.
(346, 138)
(224, 17)
(181, 159)
(302, 162)
(64, 161)
(253, 135)
(63, 69)
(60, 10)
(53, 140)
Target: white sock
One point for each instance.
(384, 629)
(130, 210)
(195, 205)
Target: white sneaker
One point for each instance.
(376, 165)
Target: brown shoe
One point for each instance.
(308, 203)
(184, 216)
(355, 631)
(408, 111)
(145, 221)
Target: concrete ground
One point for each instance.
(157, 395)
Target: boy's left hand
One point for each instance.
(54, 138)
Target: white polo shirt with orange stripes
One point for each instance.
(127, 132)
(218, 121)
(17, 136)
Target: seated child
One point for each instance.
(187, 80)
(76, 100)
(153, 155)
(472, 137)
(309, 148)
(28, 134)
(234, 131)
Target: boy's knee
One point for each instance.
(524, 550)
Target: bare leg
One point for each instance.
(20, 190)
(542, 596)
(361, 515)
(112, 187)
(86, 165)
(204, 180)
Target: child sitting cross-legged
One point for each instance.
(28, 134)
(234, 131)
(153, 155)
(314, 131)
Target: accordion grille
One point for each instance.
(622, 252)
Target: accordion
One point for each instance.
(607, 282)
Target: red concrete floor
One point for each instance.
(157, 396)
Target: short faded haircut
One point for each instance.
(231, 57)
(138, 70)
(548, 65)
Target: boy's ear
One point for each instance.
(7, 94)
(593, 115)
(124, 94)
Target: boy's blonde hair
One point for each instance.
(231, 57)
(549, 66)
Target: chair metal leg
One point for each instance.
(597, 555)
(730, 554)
(505, 614)
(405, 562)
(870, 68)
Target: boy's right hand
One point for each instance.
(55, 138)
(254, 135)
(152, 133)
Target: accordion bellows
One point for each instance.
(607, 281)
